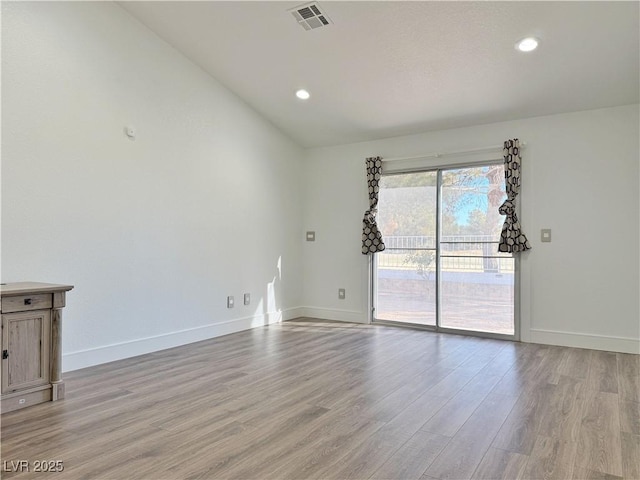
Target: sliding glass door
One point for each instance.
(406, 270)
(441, 268)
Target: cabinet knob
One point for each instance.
(27, 301)
(5, 354)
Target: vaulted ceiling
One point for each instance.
(383, 69)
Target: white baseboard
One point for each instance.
(582, 340)
(109, 353)
(333, 314)
(548, 337)
(119, 351)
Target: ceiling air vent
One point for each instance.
(310, 16)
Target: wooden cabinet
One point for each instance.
(31, 341)
(25, 350)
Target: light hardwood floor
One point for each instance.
(314, 399)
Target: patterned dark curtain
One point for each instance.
(512, 238)
(371, 236)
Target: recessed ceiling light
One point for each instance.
(302, 94)
(528, 44)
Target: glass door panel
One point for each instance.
(476, 282)
(405, 271)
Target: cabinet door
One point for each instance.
(26, 341)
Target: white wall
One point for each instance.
(154, 233)
(580, 178)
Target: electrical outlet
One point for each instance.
(342, 294)
(247, 298)
(311, 236)
(230, 301)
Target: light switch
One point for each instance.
(545, 235)
(311, 236)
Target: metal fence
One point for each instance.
(429, 241)
(473, 253)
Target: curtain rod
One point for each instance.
(448, 154)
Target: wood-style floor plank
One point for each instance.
(364, 459)
(628, 377)
(599, 441)
(551, 458)
(520, 430)
(630, 417)
(562, 417)
(412, 459)
(630, 455)
(501, 465)
(311, 399)
(575, 363)
(580, 473)
(464, 453)
(603, 372)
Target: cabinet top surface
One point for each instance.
(18, 288)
